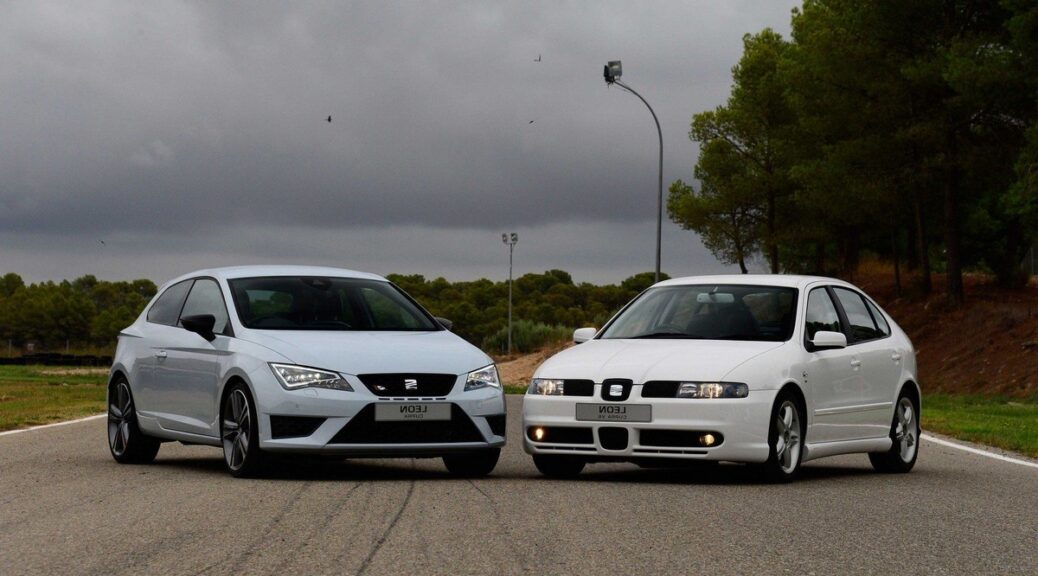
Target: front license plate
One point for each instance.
(412, 411)
(614, 412)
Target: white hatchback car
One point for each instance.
(310, 360)
(774, 370)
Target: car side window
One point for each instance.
(206, 298)
(862, 326)
(881, 322)
(821, 314)
(166, 309)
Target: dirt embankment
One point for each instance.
(988, 346)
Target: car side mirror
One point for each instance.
(201, 324)
(826, 340)
(444, 322)
(581, 335)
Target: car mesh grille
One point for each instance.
(497, 424)
(293, 426)
(364, 429)
(426, 385)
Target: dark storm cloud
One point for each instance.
(158, 121)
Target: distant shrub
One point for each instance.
(527, 336)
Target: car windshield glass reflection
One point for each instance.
(312, 303)
(709, 312)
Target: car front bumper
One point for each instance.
(347, 426)
(740, 423)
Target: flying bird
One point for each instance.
(329, 119)
(531, 121)
(102, 242)
(538, 58)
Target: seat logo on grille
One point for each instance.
(616, 390)
(410, 384)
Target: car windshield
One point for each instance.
(708, 312)
(317, 303)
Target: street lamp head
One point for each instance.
(515, 238)
(613, 70)
(504, 238)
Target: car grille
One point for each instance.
(424, 385)
(294, 426)
(363, 429)
(562, 435)
(624, 388)
(578, 388)
(613, 438)
(660, 389)
(497, 424)
(677, 438)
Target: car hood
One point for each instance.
(354, 353)
(646, 360)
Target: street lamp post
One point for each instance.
(511, 239)
(613, 70)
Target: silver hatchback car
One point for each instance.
(306, 360)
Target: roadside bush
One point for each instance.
(527, 336)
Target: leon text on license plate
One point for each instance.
(412, 411)
(615, 412)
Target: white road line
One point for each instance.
(65, 423)
(978, 451)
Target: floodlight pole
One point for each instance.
(612, 76)
(511, 239)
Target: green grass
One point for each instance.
(515, 389)
(30, 396)
(995, 421)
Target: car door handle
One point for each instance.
(161, 355)
(856, 363)
(895, 357)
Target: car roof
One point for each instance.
(232, 272)
(781, 280)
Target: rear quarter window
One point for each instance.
(166, 309)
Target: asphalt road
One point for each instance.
(67, 508)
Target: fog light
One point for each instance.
(707, 439)
(538, 434)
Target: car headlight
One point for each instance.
(483, 378)
(296, 377)
(712, 390)
(547, 387)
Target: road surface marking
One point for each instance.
(65, 423)
(972, 450)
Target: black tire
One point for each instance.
(785, 440)
(559, 466)
(904, 448)
(126, 442)
(239, 433)
(472, 464)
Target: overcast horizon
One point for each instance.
(148, 141)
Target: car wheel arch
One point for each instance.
(913, 388)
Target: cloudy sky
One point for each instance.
(148, 139)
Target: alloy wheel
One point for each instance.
(120, 416)
(787, 444)
(906, 430)
(237, 421)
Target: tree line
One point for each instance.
(89, 313)
(85, 312)
(908, 130)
